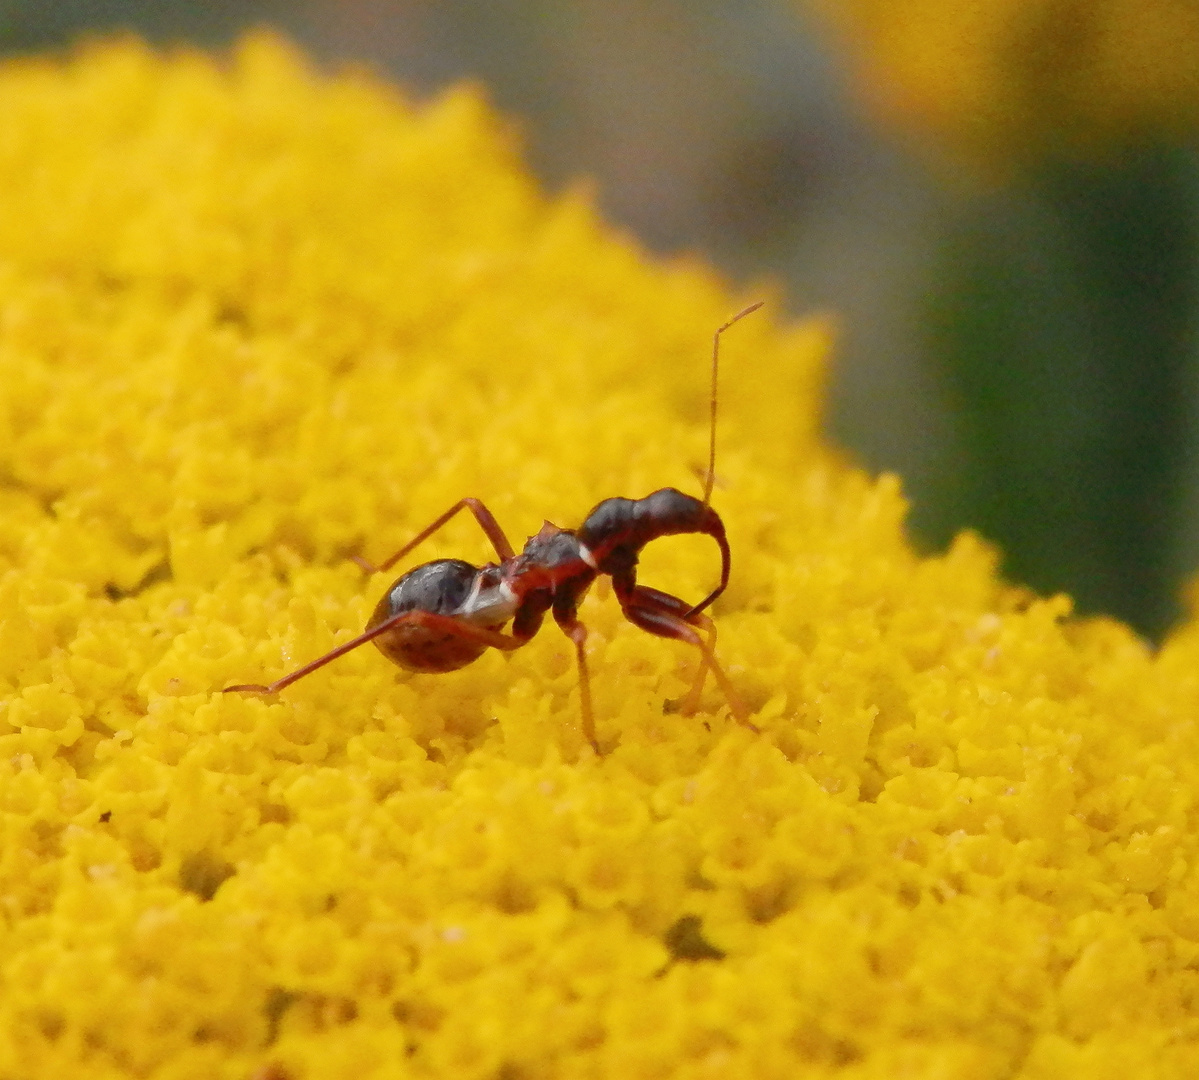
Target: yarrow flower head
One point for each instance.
(254, 321)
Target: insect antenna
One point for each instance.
(710, 479)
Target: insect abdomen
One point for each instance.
(441, 587)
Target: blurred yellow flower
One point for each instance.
(253, 321)
(1024, 78)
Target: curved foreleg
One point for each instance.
(667, 616)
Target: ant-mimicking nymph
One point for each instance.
(444, 614)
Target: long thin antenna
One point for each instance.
(710, 479)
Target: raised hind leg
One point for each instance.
(483, 516)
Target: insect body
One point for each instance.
(444, 614)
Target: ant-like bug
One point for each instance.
(442, 615)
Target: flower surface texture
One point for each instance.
(254, 321)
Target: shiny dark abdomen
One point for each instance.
(439, 587)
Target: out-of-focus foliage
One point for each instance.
(1062, 314)
(1006, 82)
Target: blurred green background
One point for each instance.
(1005, 220)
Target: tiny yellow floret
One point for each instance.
(254, 321)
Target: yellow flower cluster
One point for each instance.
(999, 78)
(253, 321)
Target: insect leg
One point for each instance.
(429, 620)
(664, 601)
(667, 616)
(577, 633)
(688, 705)
(483, 516)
